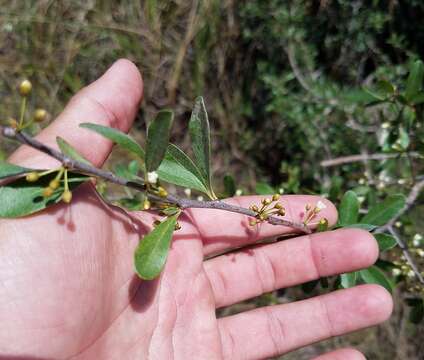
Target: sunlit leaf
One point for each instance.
(349, 209)
(374, 275)
(348, 280)
(21, 198)
(382, 212)
(172, 171)
(152, 252)
(158, 139)
(200, 137)
(9, 170)
(68, 150)
(385, 241)
(118, 137)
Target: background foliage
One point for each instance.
(284, 86)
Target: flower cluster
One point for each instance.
(268, 207)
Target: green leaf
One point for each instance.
(173, 171)
(374, 275)
(70, 151)
(200, 137)
(415, 80)
(262, 188)
(381, 213)
(21, 198)
(152, 252)
(9, 170)
(118, 137)
(381, 90)
(158, 139)
(385, 241)
(348, 280)
(229, 186)
(367, 227)
(349, 209)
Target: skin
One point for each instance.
(67, 284)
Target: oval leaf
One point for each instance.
(262, 188)
(118, 137)
(21, 198)
(348, 280)
(9, 170)
(200, 138)
(70, 151)
(152, 252)
(349, 209)
(381, 213)
(174, 173)
(374, 275)
(385, 241)
(158, 139)
(415, 80)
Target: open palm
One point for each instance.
(68, 289)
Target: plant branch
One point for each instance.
(90, 170)
(363, 157)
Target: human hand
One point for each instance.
(68, 289)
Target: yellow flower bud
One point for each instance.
(40, 115)
(47, 192)
(162, 192)
(275, 197)
(266, 201)
(278, 206)
(32, 177)
(54, 184)
(12, 123)
(146, 204)
(25, 88)
(282, 212)
(254, 208)
(67, 196)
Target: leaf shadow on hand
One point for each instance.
(142, 293)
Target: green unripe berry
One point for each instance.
(32, 177)
(25, 87)
(54, 184)
(67, 196)
(47, 192)
(40, 115)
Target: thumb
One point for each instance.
(112, 100)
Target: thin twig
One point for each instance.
(90, 170)
(363, 157)
(407, 255)
(410, 201)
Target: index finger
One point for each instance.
(221, 230)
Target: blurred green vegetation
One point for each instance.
(288, 86)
